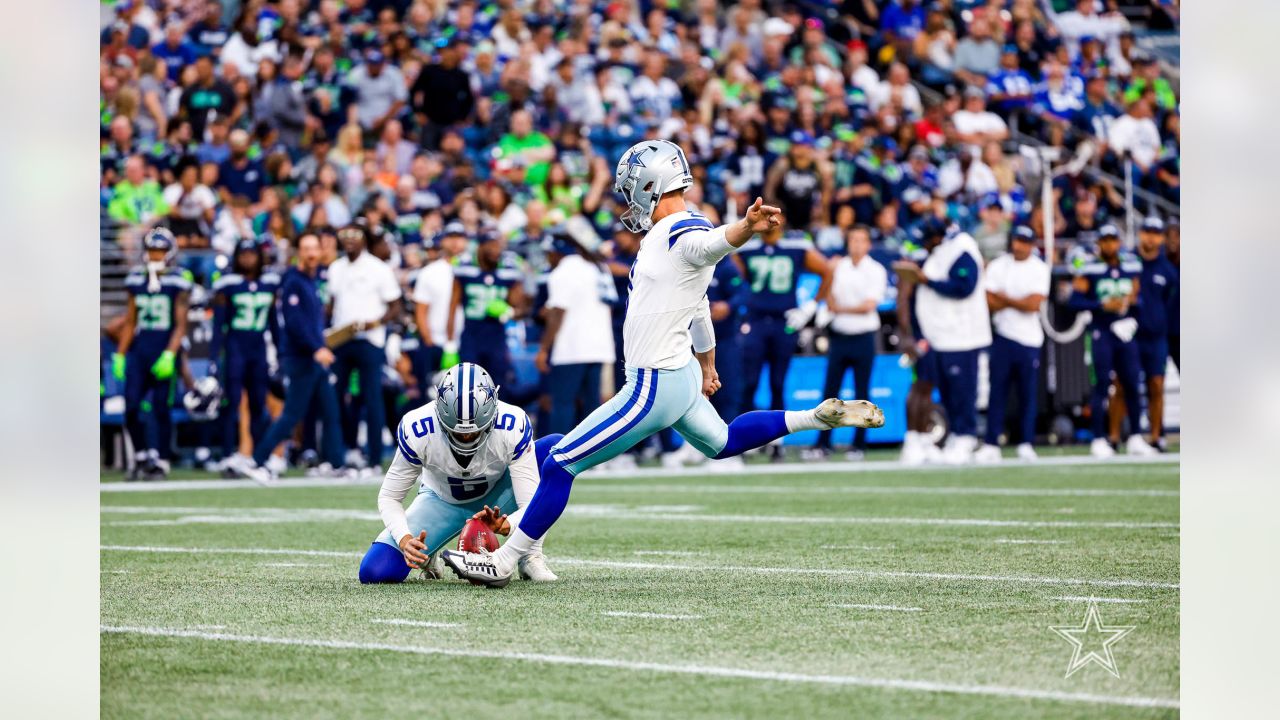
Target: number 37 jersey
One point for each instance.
(423, 453)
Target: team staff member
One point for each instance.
(155, 324)
(305, 361)
(578, 339)
(365, 296)
(952, 310)
(1108, 287)
(1017, 285)
(432, 295)
(771, 265)
(242, 310)
(1158, 298)
(858, 285)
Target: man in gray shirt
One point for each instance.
(380, 91)
(977, 55)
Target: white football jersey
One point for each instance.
(423, 456)
(668, 289)
(422, 444)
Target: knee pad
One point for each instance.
(383, 564)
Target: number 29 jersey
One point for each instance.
(423, 448)
(156, 308)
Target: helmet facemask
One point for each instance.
(466, 405)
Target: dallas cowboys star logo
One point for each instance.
(633, 160)
(1092, 630)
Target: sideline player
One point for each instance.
(472, 455)
(155, 325)
(667, 386)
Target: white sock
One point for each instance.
(536, 549)
(516, 547)
(912, 439)
(798, 420)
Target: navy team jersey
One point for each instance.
(773, 271)
(481, 287)
(246, 314)
(1106, 282)
(726, 286)
(156, 310)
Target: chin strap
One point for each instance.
(153, 276)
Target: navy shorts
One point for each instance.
(1153, 355)
(927, 369)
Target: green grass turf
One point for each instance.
(976, 631)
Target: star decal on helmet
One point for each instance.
(633, 160)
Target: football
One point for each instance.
(475, 535)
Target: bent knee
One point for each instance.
(383, 564)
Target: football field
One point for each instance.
(805, 591)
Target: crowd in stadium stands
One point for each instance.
(451, 159)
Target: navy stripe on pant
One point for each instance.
(849, 352)
(575, 392)
(1110, 354)
(958, 385)
(1013, 366)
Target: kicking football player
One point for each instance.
(243, 301)
(474, 455)
(667, 312)
(155, 324)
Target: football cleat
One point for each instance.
(834, 413)
(477, 568)
(987, 455)
(1026, 452)
(533, 567)
(1100, 448)
(260, 474)
(1138, 446)
(434, 569)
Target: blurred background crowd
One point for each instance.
(473, 145)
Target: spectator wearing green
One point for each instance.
(528, 147)
(1146, 74)
(137, 200)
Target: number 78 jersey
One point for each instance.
(422, 449)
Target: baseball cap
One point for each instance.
(884, 142)
(1153, 224)
(918, 152)
(800, 137)
(1108, 231)
(989, 200)
(1010, 48)
(249, 244)
(776, 26)
(453, 228)
(558, 242)
(374, 56)
(913, 194)
(1024, 233)
(973, 91)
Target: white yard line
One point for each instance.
(857, 547)
(873, 490)
(640, 666)
(289, 564)
(673, 553)
(649, 615)
(415, 623)
(677, 513)
(628, 565)
(858, 606)
(1081, 598)
(1028, 541)
(886, 466)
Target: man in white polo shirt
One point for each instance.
(1017, 285)
(578, 339)
(432, 294)
(857, 288)
(365, 297)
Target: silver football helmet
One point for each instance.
(466, 406)
(646, 172)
